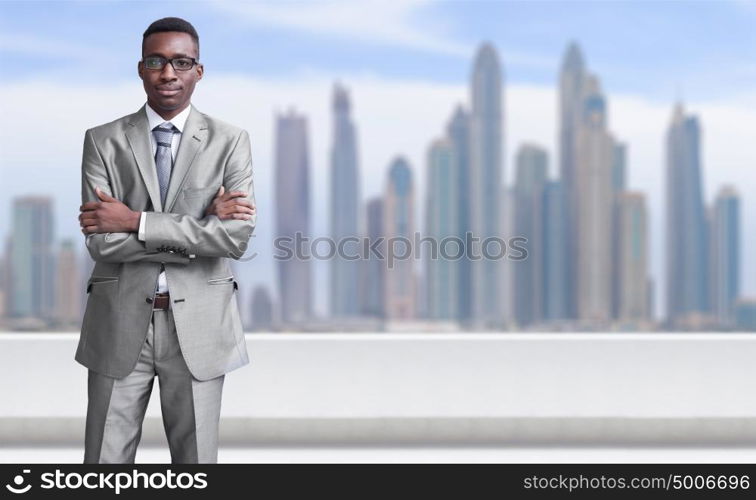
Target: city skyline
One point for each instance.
(608, 224)
(376, 101)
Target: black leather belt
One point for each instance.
(161, 301)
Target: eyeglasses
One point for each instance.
(178, 63)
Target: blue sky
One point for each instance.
(698, 48)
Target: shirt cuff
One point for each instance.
(140, 234)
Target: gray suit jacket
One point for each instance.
(194, 249)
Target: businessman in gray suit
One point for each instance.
(167, 199)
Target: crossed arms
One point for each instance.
(111, 227)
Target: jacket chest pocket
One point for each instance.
(227, 280)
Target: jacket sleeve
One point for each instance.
(209, 236)
(112, 247)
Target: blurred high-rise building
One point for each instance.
(594, 195)
(632, 260)
(344, 209)
(3, 285)
(68, 291)
(262, 309)
(399, 225)
(555, 257)
(443, 249)
(458, 132)
(530, 178)
(507, 268)
(687, 265)
(745, 315)
(724, 240)
(572, 81)
(31, 259)
(486, 174)
(292, 186)
(619, 166)
(374, 268)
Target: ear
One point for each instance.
(200, 71)
(140, 70)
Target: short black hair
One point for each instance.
(171, 24)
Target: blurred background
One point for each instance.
(615, 137)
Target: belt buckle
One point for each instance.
(163, 296)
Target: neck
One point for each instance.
(167, 114)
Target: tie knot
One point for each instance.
(164, 132)
(165, 126)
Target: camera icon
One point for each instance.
(19, 481)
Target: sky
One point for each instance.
(68, 66)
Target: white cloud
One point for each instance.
(393, 117)
(395, 22)
(36, 45)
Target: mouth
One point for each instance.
(168, 92)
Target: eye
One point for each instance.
(154, 62)
(183, 63)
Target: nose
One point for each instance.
(168, 73)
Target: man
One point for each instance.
(167, 197)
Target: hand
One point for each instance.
(107, 216)
(231, 205)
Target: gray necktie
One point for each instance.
(163, 134)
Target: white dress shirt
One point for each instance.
(154, 120)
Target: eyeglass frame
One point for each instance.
(195, 62)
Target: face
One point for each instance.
(169, 91)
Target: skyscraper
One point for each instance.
(619, 165)
(531, 175)
(373, 268)
(508, 230)
(686, 224)
(725, 255)
(594, 195)
(262, 309)
(458, 132)
(3, 285)
(633, 257)
(571, 92)
(292, 185)
(555, 257)
(399, 224)
(68, 291)
(441, 210)
(486, 153)
(32, 271)
(344, 209)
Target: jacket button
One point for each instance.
(148, 300)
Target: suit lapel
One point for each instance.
(192, 137)
(194, 134)
(139, 141)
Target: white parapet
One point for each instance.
(474, 388)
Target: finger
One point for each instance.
(242, 202)
(243, 210)
(221, 191)
(235, 194)
(90, 229)
(103, 195)
(90, 205)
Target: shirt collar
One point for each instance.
(178, 121)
